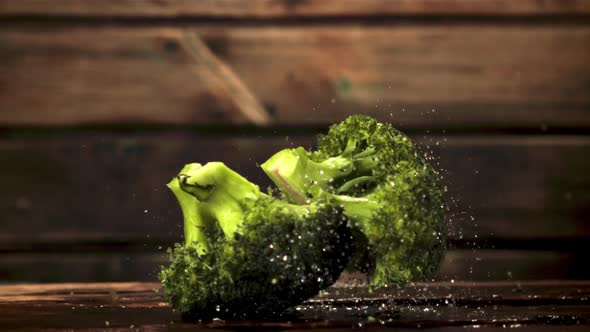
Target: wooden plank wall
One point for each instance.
(102, 102)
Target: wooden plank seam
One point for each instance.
(228, 83)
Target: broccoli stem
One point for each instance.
(357, 208)
(189, 204)
(295, 173)
(212, 198)
(355, 183)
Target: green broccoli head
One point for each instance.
(247, 254)
(390, 193)
(365, 199)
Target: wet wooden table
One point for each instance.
(530, 306)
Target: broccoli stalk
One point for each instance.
(297, 175)
(247, 254)
(390, 194)
(301, 179)
(211, 197)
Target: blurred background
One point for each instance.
(102, 102)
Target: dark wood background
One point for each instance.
(102, 102)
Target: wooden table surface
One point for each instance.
(527, 305)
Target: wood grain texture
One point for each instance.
(110, 78)
(538, 77)
(528, 306)
(81, 267)
(110, 187)
(290, 8)
(458, 265)
(8, 291)
(228, 84)
(484, 291)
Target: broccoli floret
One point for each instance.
(365, 199)
(248, 254)
(390, 193)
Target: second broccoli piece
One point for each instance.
(247, 254)
(389, 192)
